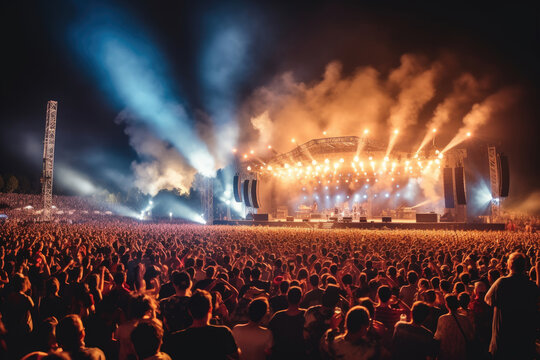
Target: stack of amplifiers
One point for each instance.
(428, 218)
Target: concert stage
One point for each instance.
(375, 224)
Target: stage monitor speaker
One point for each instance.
(255, 194)
(260, 217)
(290, 218)
(460, 186)
(315, 216)
(305, 220)
(504, 176)
(448, 185)
(386, 219)
(333, 218)
(427, 218)
(237, 188)
(347, 219)
(363, 219)
(246, 193)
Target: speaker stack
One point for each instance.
(386, 219)
(504, 176)
(448, 185)
(459, 178)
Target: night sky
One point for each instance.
(41, 63)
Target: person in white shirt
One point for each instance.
(255, 342)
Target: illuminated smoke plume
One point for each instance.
(417, 87)
(162, 166)
(481, 113)
(465, 90)
(339, 105)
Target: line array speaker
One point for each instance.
(246, 193)
(448, 185)
(386, 219)
(504, 176)
(460, 185)
(237, 188)
(255, 194)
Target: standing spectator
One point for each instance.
(515, 312)
(454, 332)
(174, 309)
(70, 336)
(318, 320)
(202, 340)
(386, 313)
(279, 302)
(407, 293)
(255, 342)
(354, 343)
(411, 339)
(147, 338)
(314, 296)
(287, 328)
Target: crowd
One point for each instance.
(157, 291)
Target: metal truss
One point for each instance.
(493, 158)
(48, 158)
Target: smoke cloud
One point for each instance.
(481, 113)
(162, 166)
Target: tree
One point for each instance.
(1, 183)
(12, 184)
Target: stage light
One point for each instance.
(249, 168)
(386, 195)
(314, 162)
(468, 134)
(341, 160)
(367, 180)
(324, 132)
(299, 164)
(440, 156)
(305, 197)
(245, 156)
(396, 131)
(251, 152)
(437, 152)
(370, 158)
(269, 146)
(234, 151)
(365, 196)
(397, 194)
(386, 158)
(366, 186)
(293, 140)
(151, 202)
(376, 180)
(366, 131)
(327, 196)
(337, 196)
(434, 130)
(397, 186)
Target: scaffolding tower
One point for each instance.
(494, 181)
(48, 158)
(207, 199)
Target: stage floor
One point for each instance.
(371, 224)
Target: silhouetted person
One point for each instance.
(201, 340)
(70, 336)
(515, 312)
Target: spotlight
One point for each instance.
(251, 152)
(366, 131)
(234, 150)
(396, 131)
(249, 168)
(434, 130)
(293, 140)
(324, 132)
(365, 196)
(386, 195)
(245, 156)
(468, 134)
(269, 146)
(314, 162)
